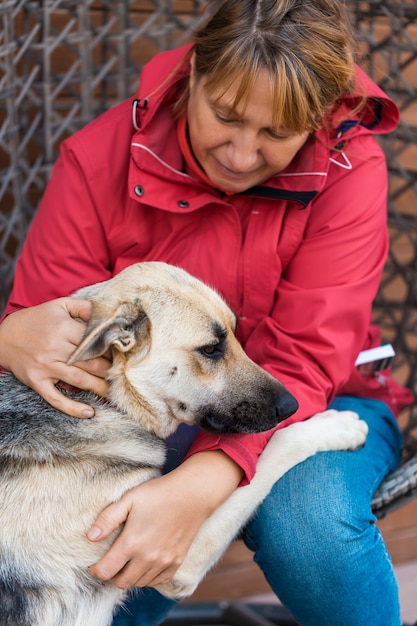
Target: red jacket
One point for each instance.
(299, 258)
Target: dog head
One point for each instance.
(175, 355)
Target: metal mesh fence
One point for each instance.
(62, 63)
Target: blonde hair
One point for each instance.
(305, 45)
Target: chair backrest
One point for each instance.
(387, 37)
(63, 63)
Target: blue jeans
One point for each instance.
(315, 537)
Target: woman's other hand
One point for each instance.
(35, 344)
(160, 520)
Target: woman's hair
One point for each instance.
(305, 45)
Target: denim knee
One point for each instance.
(300, 525)
(325, 561)
(315, 536)
(143, 607)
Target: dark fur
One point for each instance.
(33, 435)
(175, 358)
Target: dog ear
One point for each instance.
(125, 328)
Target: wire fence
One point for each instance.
(62, 63)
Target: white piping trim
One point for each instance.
(143, 147)
(140, 145)
(347, 165)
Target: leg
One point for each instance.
(315, 536)
(331, 430)
(144, 607)
(147, 607)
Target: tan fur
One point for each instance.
(175, 359)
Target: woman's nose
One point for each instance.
(243, 152)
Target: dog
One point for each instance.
(175, 359)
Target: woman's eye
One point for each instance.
(277, 136)
(225, 120)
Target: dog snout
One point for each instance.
(238, 419)
(249, 416)
(214, 421)
(286, 405)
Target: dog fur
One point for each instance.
(175, 359)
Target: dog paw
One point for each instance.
(177, 588)
(341, 430)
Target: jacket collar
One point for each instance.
(156, 148)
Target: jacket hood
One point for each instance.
(161, 76)
(154, 148)
(159, 82)
(380, 114)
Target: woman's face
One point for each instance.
(238, 149)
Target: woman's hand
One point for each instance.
(35, 344)
(162, 517)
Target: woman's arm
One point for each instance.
(161, 518)
(323, 309)
(323, 302)
(66, 248)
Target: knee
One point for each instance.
(305, 525)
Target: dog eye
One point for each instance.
(212, 351)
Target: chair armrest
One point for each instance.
(398, 488)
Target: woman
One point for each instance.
(248, 159)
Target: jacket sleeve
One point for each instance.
(322, 310)
(66, 244)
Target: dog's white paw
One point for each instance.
(340, 430)
(180, 586)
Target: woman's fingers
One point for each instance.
(61, 402)
(36, 343)
(154, 539)
(78, 309)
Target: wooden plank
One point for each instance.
(236, 576)
(399, 530)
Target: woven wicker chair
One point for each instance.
(398, 489)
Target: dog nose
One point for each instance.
(286, 405)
